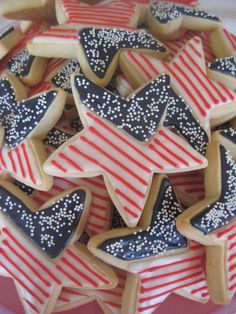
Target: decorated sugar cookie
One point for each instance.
(176, 46)
(223, 43)
(39, 248)
(205, 97)
(18, 61)
(224, 71)
(158, 258)
(115, 13)
(26, 122)
(27, 10)
(101, 148)
(98, 50)
(9, 37)
(212, 223)
(108, 300)
(167, 18)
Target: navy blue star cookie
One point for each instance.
(212, 222)
(39, 247)
(224, 71)
(166, 19)
(26, 122)
(155, 254)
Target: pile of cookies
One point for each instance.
(118, 154)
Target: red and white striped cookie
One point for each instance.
(159, 259)
(206, 98)
(101, 148)
(39, 247)
(114, 13)
(108, 300)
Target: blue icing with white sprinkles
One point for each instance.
(160, 237)
(101, 45)
(221, 212)
(19, 118)
(165, 12)
(50, 228)
(138, 115)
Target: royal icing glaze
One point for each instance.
(223, 210)
(159, 237)
(102, 45)
(21, 63)
(174, 46)
(116, 13)
(165, 12)
(50, 228)
(225, 66)
(62, 78)
(188, 75)
(56, 137)
(109, 299)
(21, 118)
(101, 148)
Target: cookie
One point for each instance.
(38, 10)
(167, 18)
(98, 50)
(26, 123)
(175, 46)
(28, 68)
(158, 258)
(206, 98)
(39, 247)
(101, 148)
(212, 223)
(108, 300)
(9, 37)
(224, 71)
(25, 26)
(189, 187)
(223, 43)
(227, 137)
(116, 13)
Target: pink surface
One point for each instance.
(10, 304)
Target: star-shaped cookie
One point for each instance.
(39, 248)
(159, 259)
(206, 98)
(165, 19)
(115, 13)
(124, 141)
(26, 122)
(211, 222)
(98, 50)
